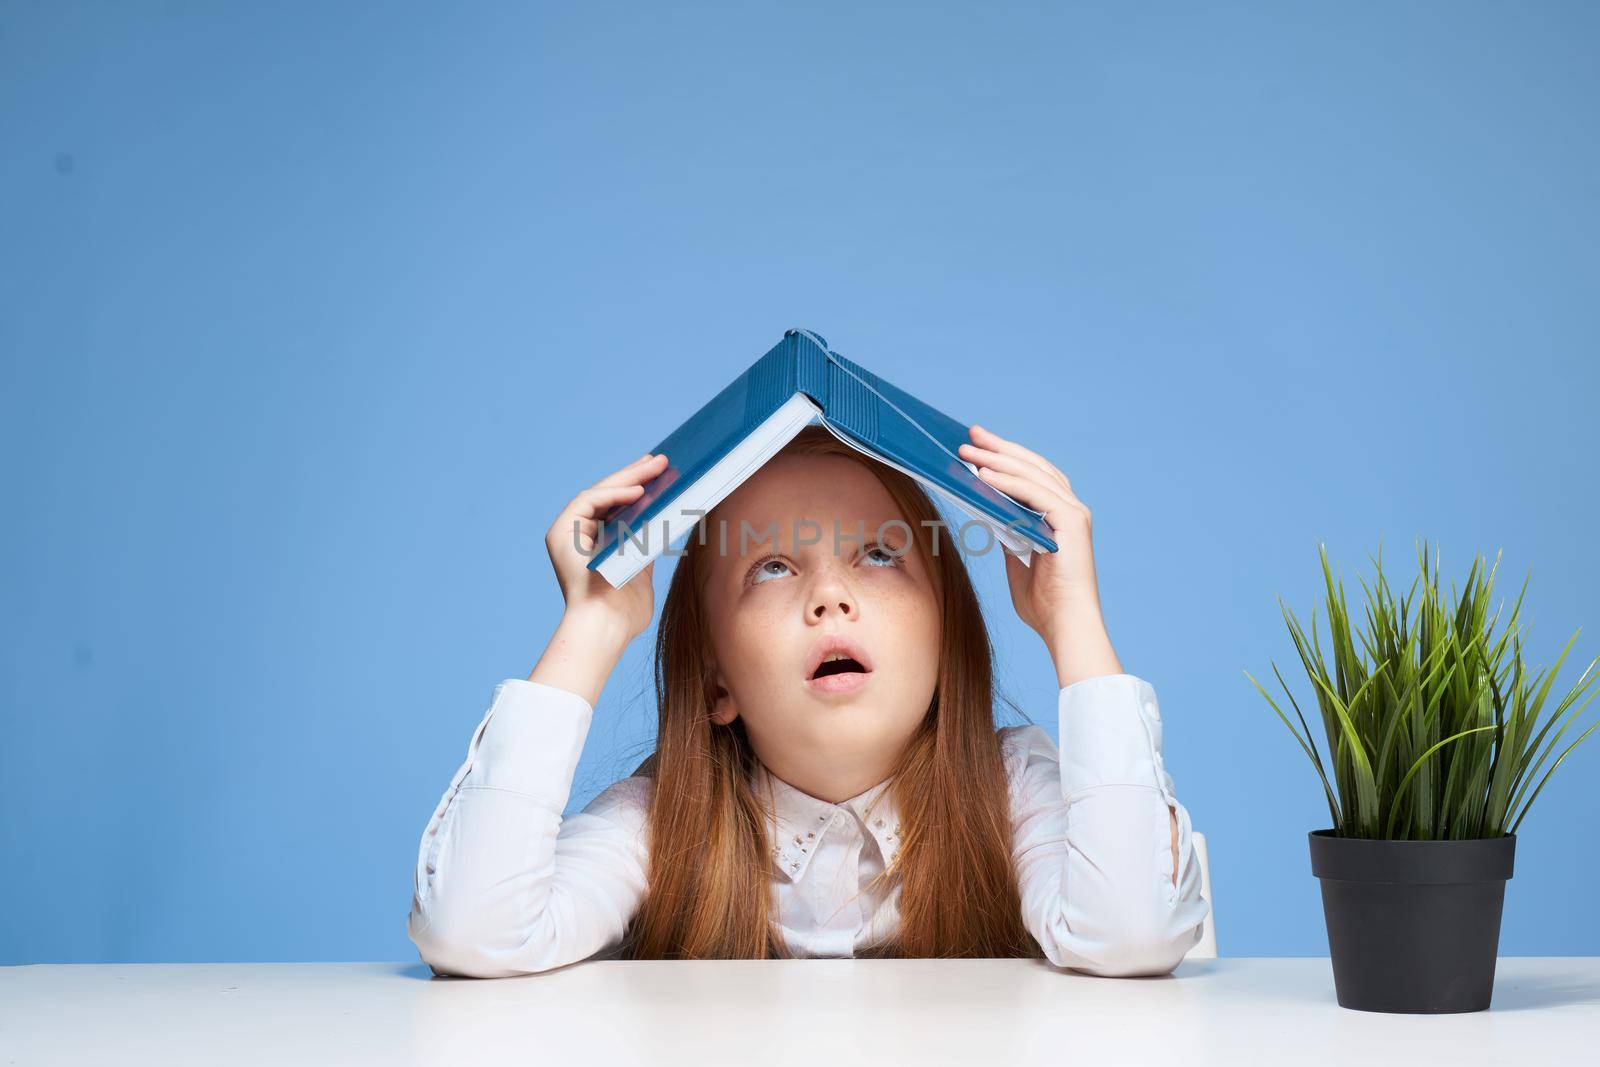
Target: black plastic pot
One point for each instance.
(1413, 926)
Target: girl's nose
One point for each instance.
(822, 607)
(832, 595)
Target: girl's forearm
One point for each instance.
(1080, 646)
(581, 655)
(1081, 649)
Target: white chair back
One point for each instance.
(1206, 947)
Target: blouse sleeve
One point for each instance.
(503, 884)
(1093, 835)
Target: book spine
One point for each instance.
(852, 402)
(809, 366)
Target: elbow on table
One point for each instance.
(454, 944)
(1145, 957)
(1133, 950)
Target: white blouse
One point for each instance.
(505, 885)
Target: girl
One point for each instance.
(828, 779)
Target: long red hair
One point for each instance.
(710, 867)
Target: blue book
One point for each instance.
(798, 382)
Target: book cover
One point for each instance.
(797, 382)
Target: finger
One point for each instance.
(587, 529)
(1051, 505)
(575, 530)
(1045, 469)
(1014, 465)
(584, 511)
(591, 502)
(642, 469)
(986, 438)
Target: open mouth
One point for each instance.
(841, 665)
(838, 665)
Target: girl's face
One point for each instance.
(775, 598)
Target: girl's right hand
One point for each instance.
(588, 595)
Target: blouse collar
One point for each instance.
(798, 820)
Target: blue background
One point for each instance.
(314, 319)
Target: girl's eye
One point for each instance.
(885, 557)
(761, 573)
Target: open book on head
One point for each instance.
(799, 382)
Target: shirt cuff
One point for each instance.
(531, 741)
(1110, 734)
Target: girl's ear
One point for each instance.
(723, 708)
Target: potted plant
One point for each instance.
(1438, 745)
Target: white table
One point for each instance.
(1227, 1011)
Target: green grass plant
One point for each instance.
(1435, 728)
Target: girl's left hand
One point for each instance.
(1057, 592)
